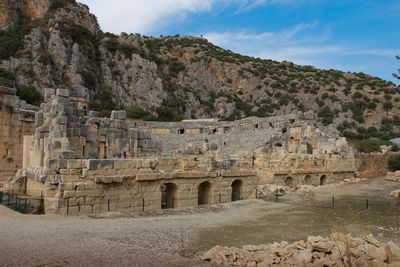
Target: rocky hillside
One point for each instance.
(54, 43)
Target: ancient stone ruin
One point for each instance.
(81, 163)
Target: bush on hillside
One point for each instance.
(30, 94)
(7, 78)
(369, 145)
(394, 163)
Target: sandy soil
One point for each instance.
(174, 238)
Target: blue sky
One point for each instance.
(348, 35)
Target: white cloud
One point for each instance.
(293, 44)
(143, 15)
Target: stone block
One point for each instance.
(122, 114)
(93, 114)
(114, 115)
(92, 164)
(122, 164)
(69, 194)
(74, 164)
(63, 93)
(62, 120)
(105, 164)
(118, 179)
(52, 164)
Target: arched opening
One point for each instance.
(323, 180)
(181, 131)
(307, 180)
(204, 195)
(169, 196)
(289, 182)
(236, 190)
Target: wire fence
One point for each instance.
(345, 202)
(23, 204)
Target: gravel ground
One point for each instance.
(113, 239)
(168, 238)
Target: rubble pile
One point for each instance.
(337, 250)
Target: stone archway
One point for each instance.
(307, 180)
(169, 195)
(289, 182)
(323, 180)
(204, 193)
(237, 190)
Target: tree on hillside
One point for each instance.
(397, 75)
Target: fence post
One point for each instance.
(172, 199)
(333, 202)
(26, 204)
(109, 202)
(26, 185)
(367, 203)
(79, 207)
(142, 203)
(220, 200)
(68, 206)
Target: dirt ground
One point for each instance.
(175, 237)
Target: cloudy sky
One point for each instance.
(349, 35)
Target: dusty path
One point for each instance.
(173, 238)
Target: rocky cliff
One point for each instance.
(59, 44)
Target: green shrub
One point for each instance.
(168, 114)
(174, 67)
(30, 94)
(135, 112)
(89, 80)
(327, 115)
(9, 108)
(46, 59)
(113, 46)
(394, 163)
(387, 106)
(369, 145)
(78, 33)
(7, 78)
(12, 40)
(395, 148)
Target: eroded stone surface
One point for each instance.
(80, 162)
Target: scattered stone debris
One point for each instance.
(393, 176)
(395, 193)
(337, 250)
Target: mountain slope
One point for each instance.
(181, 77)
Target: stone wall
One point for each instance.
(87, 186)
(16, 121)
(81, 163)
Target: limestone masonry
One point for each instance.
(81, 163)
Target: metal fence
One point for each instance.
(23, 204)
(357, 203)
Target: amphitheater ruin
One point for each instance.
(80, 163)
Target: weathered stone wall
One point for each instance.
(16, 121)
(81, 163)
(87, 186)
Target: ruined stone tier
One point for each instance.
(16, 120)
